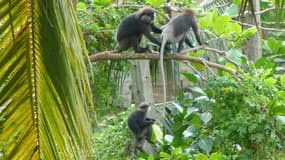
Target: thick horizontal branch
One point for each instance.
(109, 55)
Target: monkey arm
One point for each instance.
(155, 29)
(147, 122)
(196, 32)
(151, 38)
(150, 119)
(188, 42)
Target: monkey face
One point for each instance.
(145, 106)
(148, 18)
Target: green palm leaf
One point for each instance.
(44, 89)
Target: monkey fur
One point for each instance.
(133, 27)
(175, 32)
(140, 125)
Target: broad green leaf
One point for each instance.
(278, 110)
(201, 156)
(198, 66)
(235, 55)
(206, 116)
(198, 90)
(207, 22)
(206, 144)
(249, 32)
(260, 62)
(81, 6)
(150, 157)
(274, 45)
(103, 2)
(197, 53)
(191, 77)
(178, 107)
(44, 88)
(196, 120)
(238, 2)
(216, 156)
(191, 131)
(231, 66)
(157, 132)
(177, 151)
(155, 3)
(168, 138)
(270, 81)
(237, 29)
(164, 155)
(220, 23)
(232, 10)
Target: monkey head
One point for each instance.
(189, 12)
(144, 107)
(147, 14)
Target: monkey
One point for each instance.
(133, 27)
(140, 125)
(175, 32)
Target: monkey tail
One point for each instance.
(163, 43)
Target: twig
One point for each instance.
(221, 53)
(195, 70)
(260, 27)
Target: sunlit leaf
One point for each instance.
(157, 132)
(164, 155)
(216, 156)
(270, 81)
(201, 156)
(81, 6)
(282, 80)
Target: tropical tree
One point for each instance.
(44, 88)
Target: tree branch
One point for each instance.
(111, 55)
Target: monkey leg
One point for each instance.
(188, 42)
(124, 44)
(180, 45)
(135, 44)
(148, 134)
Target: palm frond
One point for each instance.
(44, 89)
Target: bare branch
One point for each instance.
(260, 27)
(221, 53)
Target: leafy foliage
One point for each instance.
(112, 138)
(230, 121)
(44, 86)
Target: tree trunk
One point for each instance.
(74, 2)
(253, 47)
(142, 84)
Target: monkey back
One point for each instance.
(130, 25)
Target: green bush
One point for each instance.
(229, 120)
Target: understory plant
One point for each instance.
(229, 120)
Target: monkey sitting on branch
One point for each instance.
(133, 27)
(141, 126)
